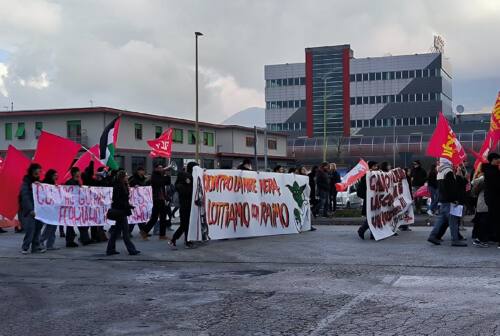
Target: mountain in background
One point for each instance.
(250, 117)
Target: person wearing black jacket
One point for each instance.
(184, 186)
(361, 192)
(418, 179)
(159, 183)
(121, 204)
(97, 233)
(32, 226)
(334, 179)
(432, 185)
(139, 179)
(70, 231)
(449, 194)
(492, 192)
(312, 185)
(323, 188)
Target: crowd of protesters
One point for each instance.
(447, 187)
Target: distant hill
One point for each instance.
(250, 117)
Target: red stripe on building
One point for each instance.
(347, 93)
(309, 94)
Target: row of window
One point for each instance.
(271, 143)
(390, 75)
(178, 135)
(290, 126)
(21, 130)
(389, 122)
(285, 104)
(399, 98)
(285, 82)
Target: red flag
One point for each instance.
(55, 152)
(83, 162)
(162, 147)
(492, 136)
(444, 143)
(1, 163)
(11, 176)
(353, 176)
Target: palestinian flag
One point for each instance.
(107, 144)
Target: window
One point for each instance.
(418, 73)
(178, 135)
(191, 137)
(273, 82)
(419, 121)
(291, 81)
(21, 131)
(418, 97)
(278, 82)
(372, 99)
(378, 76)
(405, 121)
(425, 73)
(385, 99)
(297, 103)
(372, 76)
(268, 105)
(398, 98)
(38, 128)
(302, 81)
(412, 74)
(268, 83)
(208, 139)
(379, 99)
(158, 131)
(271, 144)
(365, 77)
(366, 123)
(392, 75)
(359, 77)
(393, 98)
(303, 103)
(359, 123)
(379, 122)
(405, 98)
(138, 161)
(384, 75)
(352, 78)
(432, 96)
(74, 129)
(290, 104)
(359, 100)
(285, 104)
(353, 100)
(412, 97)
(372, 122)
(412, 121)
(249, 141)
(398, 74)
(365, 100)
(8, 131)
(425, 97)
(296, 81)
(280, 104)
(138, 131)
(405, 74)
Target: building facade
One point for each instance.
(221, 146)
(343, 95)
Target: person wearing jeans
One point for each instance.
(323, 187)
(448, 196)
(432, 185)
(48, 236)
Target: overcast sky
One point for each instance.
(139, 55)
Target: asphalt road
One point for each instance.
(327, 282)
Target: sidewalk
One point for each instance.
(420, 220)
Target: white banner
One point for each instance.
(239, 203)
(389, 202)
(85, 206)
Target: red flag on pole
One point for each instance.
(444, 143)
(1, 163)
(492, 136)
(162, 147)
(11, 176)
(83, 162)
(55, 152)
(353, 176)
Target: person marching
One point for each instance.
(139, 179)
(361, 192)
(70, 231)
(49, 232)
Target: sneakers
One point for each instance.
(172, 245)
(25, 252)
(430, 213)
(434, 240)
(53, 248)
(361, 234)
(189, 245)
(480, 244)
(135, 252)
(458, 243)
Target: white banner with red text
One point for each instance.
(389, 202)
(240, 203)
(85, 206)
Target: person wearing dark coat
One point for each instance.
(120, 202)
(312, 185)
(418, 179)
(334, 179)
(361, 192)
(32, 226)
(70, 231)
(432, 185)
(492, 192)
(245, 165)
(48, 236)
(184, 186)
(161, 209)
(323, 188)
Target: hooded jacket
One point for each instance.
(447, 182)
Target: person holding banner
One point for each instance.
(70, 231)
(138, 179)
(49, 232)
(32, 226)
(121, 205)
(361, 192)
(449, 194)
(184, 186)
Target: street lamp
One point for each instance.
(196, 126)
(325, 97)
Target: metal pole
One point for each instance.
(393, 142)
(196, 125)
(265, 148)
(256, 159)
(324, 121)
